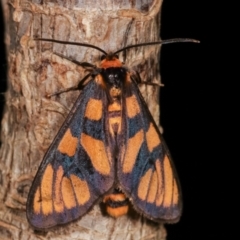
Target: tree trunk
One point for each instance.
(31, 120)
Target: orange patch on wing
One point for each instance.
(97, 153)
(94, 109)
(100, 81)
(81, 189)
(132, 106)
(128, 77)
(58, 201)
(153, 188)
(37, 202)
(115, 106)
(144, 185)
(68, 193)
(46, 190)
(168, 183)
(117, 212)
(68, 144)
(152, 138)
(159, 197)
(175, 193)
(133, 146)
(114, 62)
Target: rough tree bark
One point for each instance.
(31, 120)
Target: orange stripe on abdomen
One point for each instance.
(117, 204)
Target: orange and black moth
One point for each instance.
(108, 149)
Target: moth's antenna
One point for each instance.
(126, 38)
(174, 40)
(71, 43)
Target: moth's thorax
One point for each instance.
(114, 79)
(115, 118)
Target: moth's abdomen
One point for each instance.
(117, 204)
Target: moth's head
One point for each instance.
(110, 60)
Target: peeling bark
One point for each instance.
(31, 120)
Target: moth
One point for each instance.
(109, 148)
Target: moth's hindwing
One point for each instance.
(77, 169)
(145, 170)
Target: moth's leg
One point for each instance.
(88, 66)
(137, 78)
(74, 88)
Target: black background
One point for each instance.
(185, 116)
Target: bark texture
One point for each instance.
(31, 120)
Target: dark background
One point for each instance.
(185, 116)
(182, 112)
(193, 106)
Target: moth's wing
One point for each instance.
(145, 170)
(77, 169)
